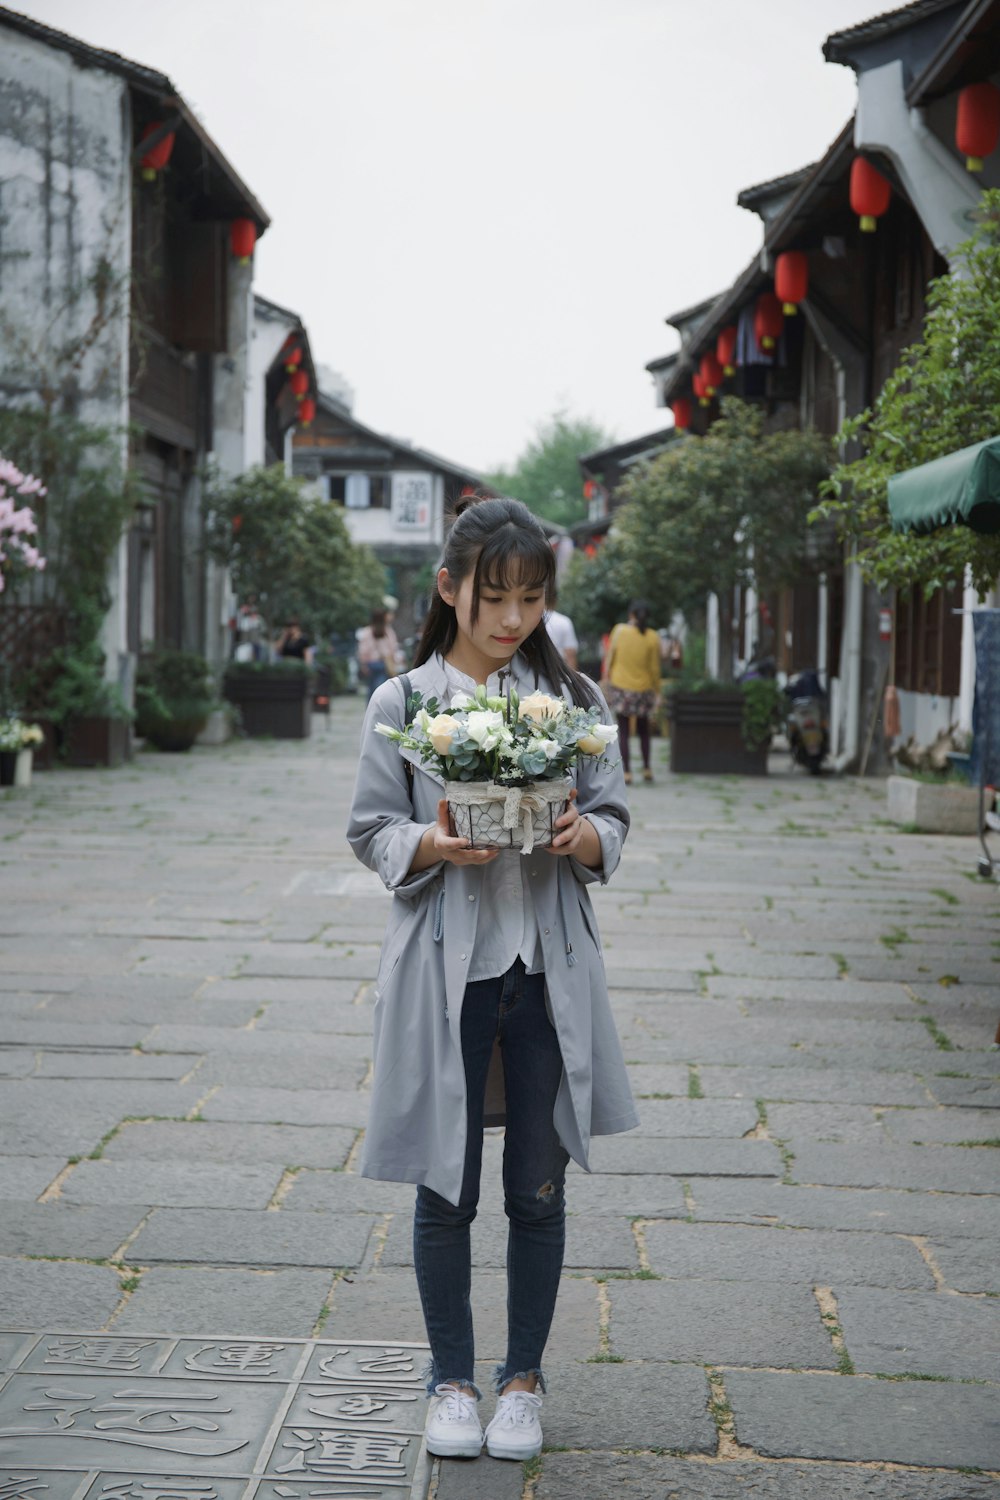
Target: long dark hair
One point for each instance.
(503, 546)
(639, 611)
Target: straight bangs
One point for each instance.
(514, 558)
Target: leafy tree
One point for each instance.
(729, 508)
(943, 395)
(546, 476)
(595, 591)
(293, 550)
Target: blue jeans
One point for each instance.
(511, 1010)
(375, 675)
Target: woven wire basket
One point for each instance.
(478, 813)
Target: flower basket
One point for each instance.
(493, 816)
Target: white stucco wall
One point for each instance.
(65, 234)
(268, 332)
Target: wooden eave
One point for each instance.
(968, 54)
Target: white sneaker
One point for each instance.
(515, 1431)
(453, 1426)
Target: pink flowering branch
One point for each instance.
(18, 527)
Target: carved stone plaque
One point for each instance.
(96, 1416)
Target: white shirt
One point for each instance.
(561, 632)
(508, 927)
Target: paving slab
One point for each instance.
(949, 1169)
(66, 1230)
(207, 1140)
(640, 1476)
(233, 1237)
(927, 1423)
(174, 1183)
(942, 1126)
(890, 1211)
(823, 1084)
(23, 1177)
(312, 1190)
(814, 1257)
(281, 1072)
(919, 1333)
(287, 1106)
(482, 1478)
(120, 1065)
(668, 1411)
(860, 1123)
(964, 1092)
(701, 1157)
(36, 1291)
(967, 1265)
(254, 1304)
(718, 1322)
(693, 1118)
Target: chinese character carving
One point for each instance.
(333, 1450)
(144, 1419)
(234, 1359)
(97, 1353)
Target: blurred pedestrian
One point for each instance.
(378, 651)
(562, 634)
(631, 678)
(293, 643)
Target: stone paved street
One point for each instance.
(785, 1284)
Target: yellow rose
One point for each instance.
(540, 706)
(591, 744)
(441, 731)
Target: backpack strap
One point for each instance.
(404, 680)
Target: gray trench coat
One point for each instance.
(417, 1125)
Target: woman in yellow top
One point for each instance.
(631, 680)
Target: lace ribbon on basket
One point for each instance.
(520, 803)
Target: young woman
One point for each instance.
(378, 651)
(631, 680)
(491, 1003)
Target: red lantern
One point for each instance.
(681, 409)
(711, 373)
(791, 280)
(589, 489)
(725, 349)
(157, 156)
(870, 193)
(977, 123)
(242, 238)
(293, 359)
(768, 321)
(299, 384)
(306, 412)
(699, 388)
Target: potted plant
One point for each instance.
(724, 729)
(92, 717)
(505, 761)
(174, 696)
(273, 698)
(291, 551)
(18, 740)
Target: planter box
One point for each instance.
(278, 704)
(99, 741)
(706, 735)
(933, 809)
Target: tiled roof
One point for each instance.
(839, 42)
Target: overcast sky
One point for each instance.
(484, 209)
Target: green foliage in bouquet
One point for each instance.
(509, 740)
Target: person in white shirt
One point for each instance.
(562, 634)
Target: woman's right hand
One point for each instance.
(439, 842)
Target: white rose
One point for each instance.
(461, 700)
(483, 728)
(596, 740)
(441, 731)
(541, 706)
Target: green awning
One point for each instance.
(960, 489)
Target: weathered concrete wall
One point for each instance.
(65, 248)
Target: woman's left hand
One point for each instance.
(577, 836)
